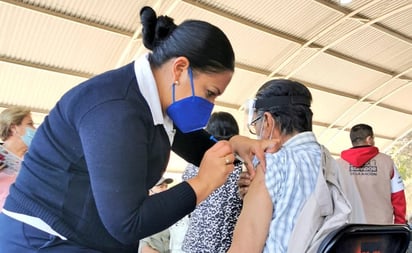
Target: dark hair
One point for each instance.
(288, 102)
(205, 45)
(359, 133)
(222, 125)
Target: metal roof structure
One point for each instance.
(355, 58)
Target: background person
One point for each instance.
(177, 234)
(212, 223)
(84, 183)
(159, 242)
(375, 176)
(17, 130)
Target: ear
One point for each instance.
(180, 64)
(269, 120)
(13, 129)
(370, 140)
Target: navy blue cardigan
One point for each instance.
(92, 161)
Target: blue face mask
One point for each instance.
(191, 113)
(28, 136)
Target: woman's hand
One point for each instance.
(247, 148)
(243, 184)
(215, 167)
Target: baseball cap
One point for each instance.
(164, 180)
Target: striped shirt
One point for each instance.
(291, 175)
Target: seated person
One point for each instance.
(279, 191)
(159, 242)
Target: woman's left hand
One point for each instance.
(247, 148)
(243, 184)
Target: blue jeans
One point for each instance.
(18, 237)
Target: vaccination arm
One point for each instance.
(253, 224)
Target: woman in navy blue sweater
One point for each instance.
(84, 181)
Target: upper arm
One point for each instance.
(122, 155)
(114, 141)
(253, 224)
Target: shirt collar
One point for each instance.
(300, 138)
(148, 88)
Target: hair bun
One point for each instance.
(155, 29)
(164, 27)
(148, 19)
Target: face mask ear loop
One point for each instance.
(173, 92)
(189, 70)
(261, 126)
(271, 132)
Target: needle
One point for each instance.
(236, 155)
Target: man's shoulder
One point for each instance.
(339, 160)
(384, 156)
(287, 155)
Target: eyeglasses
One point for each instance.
(252, 125)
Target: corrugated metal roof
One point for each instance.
(355, 58)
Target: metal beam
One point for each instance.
(280, 34)
(45, 67)
(58, 14)
(360, 17)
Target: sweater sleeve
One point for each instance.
(399, 207)
(192, 146)
(116, 146)
(398, 198)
